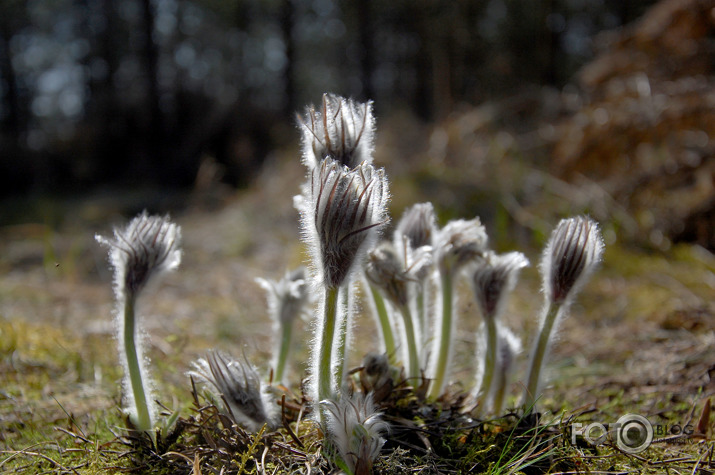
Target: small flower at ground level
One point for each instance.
(355, 429)
(346, 208)
(237, 383)
(494, 278)
(574, 250)
(148, 245)
(460, 242)
(418, 225)
(342, 129)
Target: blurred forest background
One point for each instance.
(613, 99)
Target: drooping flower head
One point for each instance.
(356, 430)
(342, 129)
(149, 245)
(237, 383)
(573, 252)
(460, 242)
(494, 278)
(386, 270)
(344, 210)
(286, 297)
(417, 225)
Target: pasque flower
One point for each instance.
(342, 129)
(572, 253)
(147, 246)
(493, 279)
(236, 383)
(346, 205)
(459, 243)
(414, 235)
(340, 216)
(287, 299)
(356, 429)
(391, 275)
(417, 225)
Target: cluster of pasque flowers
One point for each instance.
(409, 280)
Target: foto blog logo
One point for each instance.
(632, 433)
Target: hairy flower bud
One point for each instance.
(236, 382)
(286, 297)
(573, 252)
(460, 242)
(494, 278)
(342, 212)
(386, 270)
(342, 129)
(148, 245)
(356, 429)
(417, 224)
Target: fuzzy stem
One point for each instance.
(143, 420)
(324, 373)
(286, 334)
(445, 337)
(413, 371)
(490, 358)
(384, 320)
(538, 355)
(342, 335)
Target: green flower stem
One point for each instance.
(421, 311)
(384, 321)
(445, 337)
(499, 391)
(490, 359)
(538, 356)
(342, 335)
(413, 371)
(330, 311)
(286, 335)
(143, 420)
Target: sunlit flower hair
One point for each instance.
(148, 245)
(460, 242)
(494, 278)
(573, 252)
(343, 211)
(356, 430)
(342, 129)
(237, 384)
